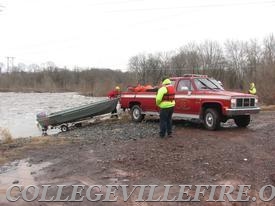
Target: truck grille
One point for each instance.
(246, 102)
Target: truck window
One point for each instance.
(184, 85)
(204, 83)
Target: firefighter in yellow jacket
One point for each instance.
(165, 100)
(252, 89)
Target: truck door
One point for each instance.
(148, 101)
(184, 101)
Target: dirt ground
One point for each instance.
(124, 153)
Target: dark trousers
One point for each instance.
(166, 121)
(114, 113)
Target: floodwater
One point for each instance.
(20, 173)
(18, 110)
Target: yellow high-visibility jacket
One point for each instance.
(159, 98)
(252, 89)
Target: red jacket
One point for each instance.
(113, 94)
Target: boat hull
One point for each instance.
(77, 113)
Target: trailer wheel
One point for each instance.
(136, 114)
(242, 121)
(44, 130)
(64, 128)
(211, 119)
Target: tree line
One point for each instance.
(235, 63)
(92, 82)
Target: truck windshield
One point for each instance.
(205, 83)
(217, 83)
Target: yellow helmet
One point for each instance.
(117, 88)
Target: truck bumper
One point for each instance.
(242, 111)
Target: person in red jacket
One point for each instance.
(114, 94)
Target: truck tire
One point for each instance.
(211, 119)
(242, 121)
(136, 114)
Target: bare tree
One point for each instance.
(237, 62)
(253, 57)
(33, 68)
(165, 60)
(137, 64)
(269, 50)
(179, 62)
(22, 67)
(151, 68)
(1, 67)
(193, 60)
(49, 65)
(154, 68)
(211, 55)
(267, 86)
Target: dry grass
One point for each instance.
(12, 149)
(5, 136)
(44, 141)
(268, 108)
(2, 160)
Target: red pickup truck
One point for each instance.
(198, 97)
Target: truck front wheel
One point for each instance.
(136, 114)
(211, 119)
(242, 121)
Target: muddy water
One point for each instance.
(18, 110)
(19, 173)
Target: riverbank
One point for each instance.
(118, 151)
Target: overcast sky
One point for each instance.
(106, 33)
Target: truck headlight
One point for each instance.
(256, 102)
(233, 103)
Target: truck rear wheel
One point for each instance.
(136, 114)
(242, 121)
(211, 119)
